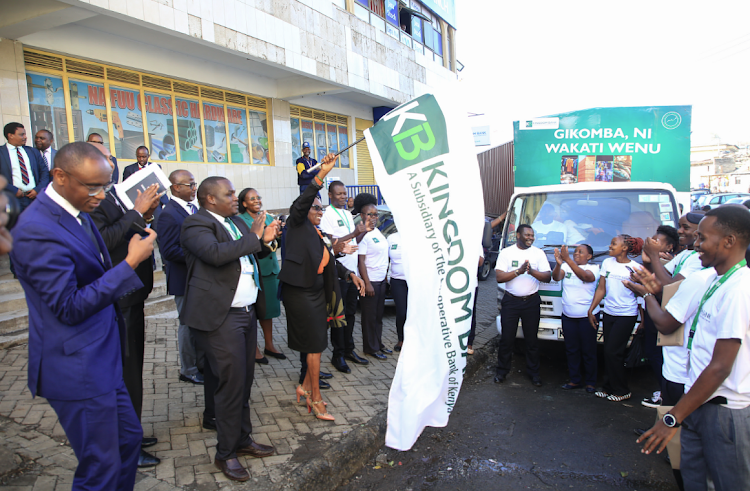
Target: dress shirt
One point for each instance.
(17, 181)
(65, 204)
(247, 291)
(185, 205)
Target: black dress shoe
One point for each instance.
(352, 356)
(397, 347)
(379, 356)
(340, 365)
(261, 361)
(193, 379)
(232, 469)
(256, 449)
(386, 351)
(148, 442)
(278, 356)
(145, 459)
(209, 424)
(323, 384)
(536, 382)
(325, 375)
(499, 379)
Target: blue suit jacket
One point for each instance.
(75, 328)
(170, 225)
(36, 166)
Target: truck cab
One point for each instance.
(584, 213)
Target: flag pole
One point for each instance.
(317, 166)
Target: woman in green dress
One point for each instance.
(250, 207)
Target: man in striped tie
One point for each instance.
(22, 166)
(43, 141)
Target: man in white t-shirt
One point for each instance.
(339, 223)
(714, 305)
(521, 267)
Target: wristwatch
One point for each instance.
(670, 421)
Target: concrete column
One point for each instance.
(452, 49)
(14, 95)
(446, 48)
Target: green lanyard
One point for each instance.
(679, 265)
(236, 235)
(715, 286)
(343, 219)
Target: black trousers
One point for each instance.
(230, 353)
(653, 352)
(372, 318)
(342, 338)
(132, 360)
(617, 331)
(528, 312)
(671, 392)
(400, 293)
(580, 349)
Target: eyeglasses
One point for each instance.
(318, 208)
(192, 185)
(93, 190)
(254, 198)
(371, 214)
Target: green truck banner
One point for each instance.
(425, 164)
(613, 144)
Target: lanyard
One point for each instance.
(679, 265)
(714, 286)
(343, 218)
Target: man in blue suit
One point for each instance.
(75, 327)
(177, 209)
(43, 140)
(22, 166)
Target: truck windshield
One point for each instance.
(590, 217)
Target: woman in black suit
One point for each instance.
(310, 287)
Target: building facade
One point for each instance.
(223, 87)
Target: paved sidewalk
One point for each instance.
(172, 412)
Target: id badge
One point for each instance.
(247, 266)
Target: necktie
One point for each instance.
(22, 165)
(236, 236)
(86, 224)
(192, 209)
(46, 162)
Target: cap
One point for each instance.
(306, 145)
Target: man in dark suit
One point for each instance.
(117, 225)
(221, 299)
(177, 209)
(43, 141)
(75, 327)
(97, 138)
(141, 155)
(22, 166)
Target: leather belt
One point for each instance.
(718, 400)
(522, 298)
(246, 308)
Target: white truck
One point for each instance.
(584, 213)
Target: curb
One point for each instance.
(351, 453)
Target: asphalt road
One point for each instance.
(515, 436)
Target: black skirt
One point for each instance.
(306, 317)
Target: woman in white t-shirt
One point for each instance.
(399, 288)
(373, 266)
(578, 286)
(620, 313)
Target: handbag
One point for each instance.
(636, 356)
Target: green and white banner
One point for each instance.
(605, 144)
(425, 164)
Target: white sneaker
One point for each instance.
(653, 401)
